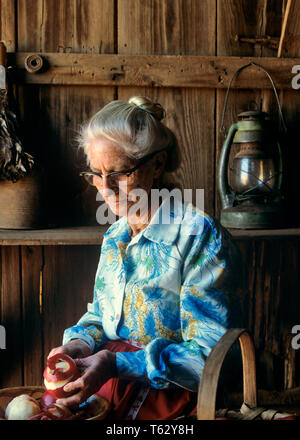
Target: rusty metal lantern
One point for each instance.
(250, 190)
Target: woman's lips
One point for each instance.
(114, 201)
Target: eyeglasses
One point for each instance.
(115, 177)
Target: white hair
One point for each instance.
(135, 127)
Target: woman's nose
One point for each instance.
(104, 186)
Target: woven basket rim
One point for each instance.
(33, 388)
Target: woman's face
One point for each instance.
(105, 157)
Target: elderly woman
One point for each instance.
(166, 285)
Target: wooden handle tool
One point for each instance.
(2, 54)
(2, 66)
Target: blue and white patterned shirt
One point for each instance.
(173, 288)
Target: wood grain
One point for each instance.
(51, 114)
(66, 26)
(284, 23)
(11, 358)
(291, 107)
(61, 27)
(11, 373)
(178, 27)
(68, 282)
(154, 70)
(289, 364)
(32, 314)
(206, 404)
(292, 37)
(62, 111)
(270, 318)
(61, 278)
(87, 235)
(167, 25)
(238, 18)
(57, 236)
(8, 24)
(272, 306)
(289, 310)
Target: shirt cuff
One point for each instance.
(132, 365)
(78, 333)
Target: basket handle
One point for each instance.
(206, 405)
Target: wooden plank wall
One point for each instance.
(272, 280)
(43, 289)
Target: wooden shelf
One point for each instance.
(261, 234)
(57, 236)
(93, 235)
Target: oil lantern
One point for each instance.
(250, 190)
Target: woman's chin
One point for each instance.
(126, 209)
(119, 209)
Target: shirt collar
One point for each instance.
(163, 227)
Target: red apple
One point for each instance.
(53, 412)
(22, 408)
(58, 412)
(60, 370)
(47, 399)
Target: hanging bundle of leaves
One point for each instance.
(14, 162)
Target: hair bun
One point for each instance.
(145, 104)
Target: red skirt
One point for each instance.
(134, 400)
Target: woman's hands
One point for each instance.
(76, 348)
(98, 369)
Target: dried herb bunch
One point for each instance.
(14, 162)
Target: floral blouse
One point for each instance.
(173, 288)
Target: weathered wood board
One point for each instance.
(43, 289)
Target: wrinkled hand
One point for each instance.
(98, 369)
(77, 348)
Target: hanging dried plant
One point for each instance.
(14, 161)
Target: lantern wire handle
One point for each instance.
(252, 63)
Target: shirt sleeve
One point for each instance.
(211, 276)
(89, 327)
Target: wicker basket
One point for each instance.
(7, 394)
(206, 406)
(22, 203)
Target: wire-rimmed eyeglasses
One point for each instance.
(115, 177)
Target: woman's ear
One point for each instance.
(160, 163)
